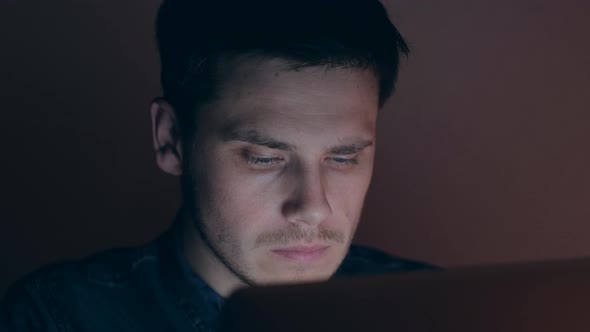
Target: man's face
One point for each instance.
(281, 166)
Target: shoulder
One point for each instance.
(110, 268)
(363, 260)
(50, 294)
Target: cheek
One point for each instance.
(347, 199)
(347, 192)
(243, 205)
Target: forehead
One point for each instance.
(267, 93)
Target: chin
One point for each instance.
(276, 269)
(299, 275)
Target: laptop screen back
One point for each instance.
(550, 296)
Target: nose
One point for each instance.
(307, 202)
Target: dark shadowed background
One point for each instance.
(482, 155)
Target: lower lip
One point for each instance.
(301, 255)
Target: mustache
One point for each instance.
(296, 234)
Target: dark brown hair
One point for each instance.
(195, 36)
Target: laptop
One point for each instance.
(540, 297)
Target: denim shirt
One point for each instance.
(147, 288)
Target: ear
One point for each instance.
(166, 136)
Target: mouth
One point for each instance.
(303, 254)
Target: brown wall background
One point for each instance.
(482, 153)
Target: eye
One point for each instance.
(343, 162)
(264, 162)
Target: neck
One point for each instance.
(203, 260)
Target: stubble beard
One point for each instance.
(192, 204)
(223, 253)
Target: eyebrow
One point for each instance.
(256, 138)
(350, 148)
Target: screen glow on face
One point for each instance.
(284, 163)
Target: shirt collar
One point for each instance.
(197, 300)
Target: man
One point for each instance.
(268, 118)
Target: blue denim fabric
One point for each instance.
(148, 288)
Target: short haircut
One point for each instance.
(196, 36)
